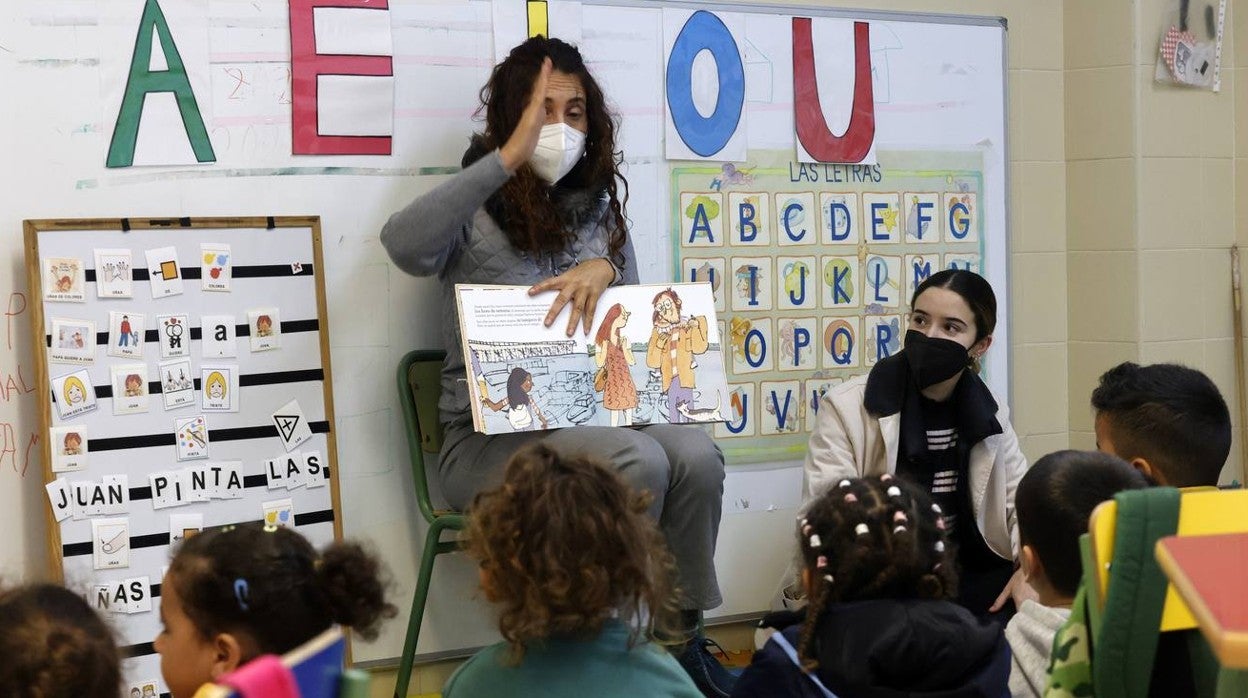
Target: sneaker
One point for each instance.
(708, 674)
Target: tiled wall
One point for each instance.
(1151, 213)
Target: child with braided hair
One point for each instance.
(881, 622)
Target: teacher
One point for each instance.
(538, 203)
(925, 414)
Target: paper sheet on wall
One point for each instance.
(162, 135)
(511, 23)
(355, 105)
(443, 55)
(769, 82)
(703, 93)
(622, 50)
(352, 31)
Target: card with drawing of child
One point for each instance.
(129, 388)
(72, 341)
(69, 448)
(265, 326)
(64, 279)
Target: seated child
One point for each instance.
(53, 645)
(235, 593)
(1055, 499)
(880, 621)
(1168, 421)
(579, 572)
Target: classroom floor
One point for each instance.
(427, 679)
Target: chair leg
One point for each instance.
(418, 610)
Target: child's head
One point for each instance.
(72, 440)
(564, 544)
(233, 594)
(54, 645)
(1054, 501)
(1167, 420)
(264, 322)
(519, 383)
(871, 538)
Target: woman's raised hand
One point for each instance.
(579, 289)
(523, 141)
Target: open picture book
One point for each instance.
(652, 356)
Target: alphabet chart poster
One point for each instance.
(813, 267)
(180, 410)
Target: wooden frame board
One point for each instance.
(264, 264)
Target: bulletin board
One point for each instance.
(186, 385)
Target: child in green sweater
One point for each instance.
(579, 572)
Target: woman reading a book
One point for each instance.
(538, 204)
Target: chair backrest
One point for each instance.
(419, 382)
(1202, 511)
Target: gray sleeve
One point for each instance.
(628, 274)
(422, 236)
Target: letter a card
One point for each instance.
(217, 335)
(292, 425)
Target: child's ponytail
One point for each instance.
(352, 581)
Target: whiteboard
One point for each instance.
(943, 87)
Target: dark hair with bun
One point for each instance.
(271, 585)
(872, 538)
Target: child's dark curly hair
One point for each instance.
(564, 544)
(54, 645)
(271, 585)
(871, 538)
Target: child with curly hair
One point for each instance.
(54, 646)
(879, 574)
(236, 593)
(579, 573)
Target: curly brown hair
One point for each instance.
(289, 593)
(564, 545)
(875, 538)
(54, 644)
(532, 219)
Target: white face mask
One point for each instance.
(559, 148)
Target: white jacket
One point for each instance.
(849, 442)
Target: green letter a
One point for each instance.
(143, 80)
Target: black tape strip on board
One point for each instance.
(244, 330)
(235, 434)
(254, 271)
(245, 380)
(154, 540)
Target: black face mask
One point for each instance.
(933, 359)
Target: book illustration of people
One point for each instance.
(653, 356)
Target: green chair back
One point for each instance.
(419, 383)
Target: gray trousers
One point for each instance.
(680, 466)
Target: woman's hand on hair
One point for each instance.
(523, 140)
(579, 289)
(1018, 589)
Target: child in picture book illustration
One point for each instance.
(613, 357)
(519, 404)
